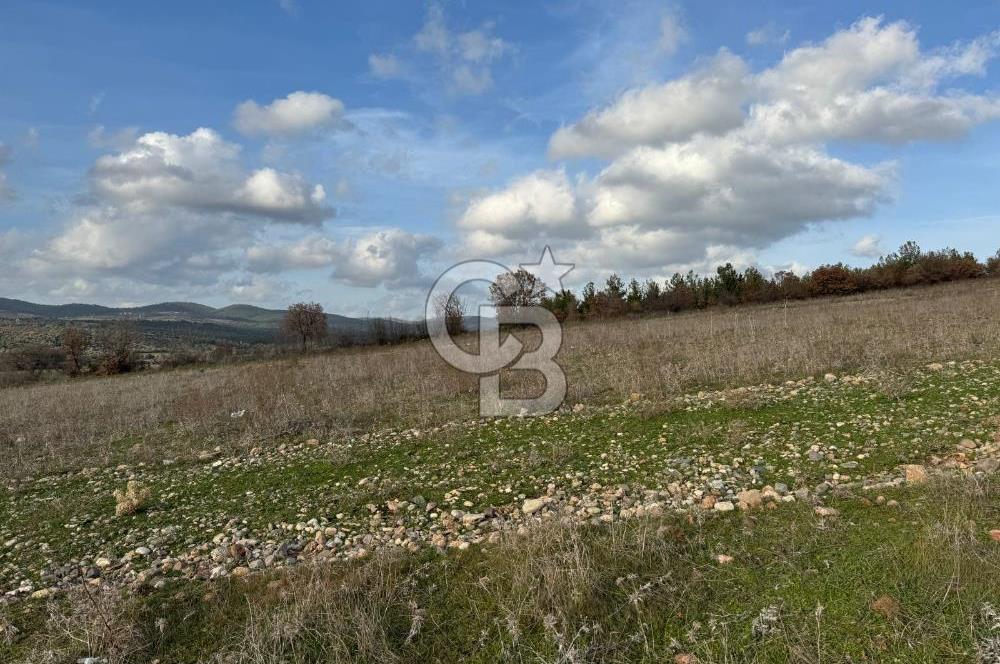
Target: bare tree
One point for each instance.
(74, 344)
(305, 321)
(118, 347)
(517, 289)
(452, 310)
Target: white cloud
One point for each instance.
(391, 257)
(725, 157)
(672, 34)
(384, 65)
(767, 34)
(707, 100)
(461, 60)
(542, 202)
(314, 251)
(868, 246)
(202, 172)
(297, 113)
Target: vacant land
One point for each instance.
(47, 428)
(810, 484)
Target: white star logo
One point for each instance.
(548, 270)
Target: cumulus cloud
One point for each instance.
(391, 257)
(297, 113)
(707, 100)
(727, 157)
(543, 201)
(867, 246)
(202, 172)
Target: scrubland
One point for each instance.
(810, 483)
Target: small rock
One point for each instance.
(685, 658)
(826, 511)
(532, 505)
(915, 473)
(750, 499)
(724, 506)
(830, 378)
(724, 559)
(967, 444)
(995, 535)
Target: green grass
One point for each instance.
(523, 598)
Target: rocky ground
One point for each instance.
(302, 501)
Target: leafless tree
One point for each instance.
(305, 321)
(118, 344)
(452, 310)
(74, 343)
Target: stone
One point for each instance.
(995, 535)
(532, 505)
(750, 499)
(723, 559)
(935, 366)
(708, 502)
(826, 511)
(967, 444)
(724, 506)
(830, 378)
(685, 658)
(915, 473)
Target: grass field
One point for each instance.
(816, 484)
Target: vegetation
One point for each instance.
(305, 322)
(910, 266)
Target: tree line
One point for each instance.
(909, 266)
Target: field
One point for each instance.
(810, 483)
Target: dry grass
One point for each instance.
(154, 416)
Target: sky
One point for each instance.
(272, 151)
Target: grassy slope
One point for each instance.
(584, 590)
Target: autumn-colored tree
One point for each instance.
(306, 322)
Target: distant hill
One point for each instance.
(189, 319)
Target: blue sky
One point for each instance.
(350, 153)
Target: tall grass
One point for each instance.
(148, 417)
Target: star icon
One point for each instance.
(548, 270)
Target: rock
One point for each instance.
(995, 535)
(988, 465)
(724, 506)
(935, 366)
(685, 658)
(826, 511)
(472, 519)
(532, 505)
(240, 572)
(142, 551)
(750, 499)
(44, 593)
(830, 378)
(708, 502)
(967, 444)
(915, 473)
(886, 606)
(724, 559)
(578, 408)
(312, 442)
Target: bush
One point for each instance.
(134, 499)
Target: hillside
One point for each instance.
(176, 323)
(811, 483)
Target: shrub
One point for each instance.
(135, 498)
